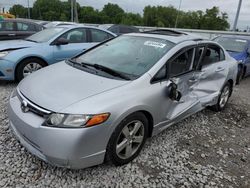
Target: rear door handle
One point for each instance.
(219, 69)
(12, 34)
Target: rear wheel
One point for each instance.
(223, 98)
(28, 66)
(128, 139)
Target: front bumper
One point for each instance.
(70, 148)
(7, 70)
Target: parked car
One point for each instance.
(105, 102)
(119, 29)
(239, 48)
(11, 29)
(20, 58)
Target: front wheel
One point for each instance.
(28, 66)
(223, 98)
(128, 139)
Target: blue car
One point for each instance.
(239, 48)
(19, 58)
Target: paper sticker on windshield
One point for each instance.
(238, 40)
(154, 44)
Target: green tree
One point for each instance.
(19, 11)
(214, 20)
(113, 13)
(89, 15)
(132, 19)
(47, 10)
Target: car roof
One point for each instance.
(170, 35)
(235, 37)
(83, 26)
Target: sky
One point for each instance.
(136, 6)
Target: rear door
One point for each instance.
(78, 42)
(211, 74)
(25, 29)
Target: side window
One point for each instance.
(98, 36)
(161, 74)
(76, 36)
(182, 63)
(25, 27)
(8, 26)
(114, 29)
(213, 54)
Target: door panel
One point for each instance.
(212, 75)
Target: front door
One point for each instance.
(180, 71)
(78, 42)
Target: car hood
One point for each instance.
(60, 85)
(238, 55)
(15, 44)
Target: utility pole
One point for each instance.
(72, 10)
(76, 13)
(237, 16)
(177, 17)
(29, 9)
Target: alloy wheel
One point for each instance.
(224, 96)
(30, 68)
(130, 139)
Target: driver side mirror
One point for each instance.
(61, 41)
(174, 94)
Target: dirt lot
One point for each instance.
(207, 149)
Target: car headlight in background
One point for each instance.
(4, 53)
(75, 121)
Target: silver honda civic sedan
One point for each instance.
(103, 104)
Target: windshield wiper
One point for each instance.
(107, 70)
(30, 40)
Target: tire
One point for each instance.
(240, 75)
(220, 105)
(28, 66)
(119, 156)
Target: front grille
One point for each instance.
(33, 107)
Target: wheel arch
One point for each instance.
(29, 57)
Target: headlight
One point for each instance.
(74, 121)
(4, 53)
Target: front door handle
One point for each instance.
(12, 34)
(219, 69)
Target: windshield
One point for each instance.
(130, 55)
(45, 35)
(232, 44)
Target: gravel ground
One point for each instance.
(207, 149)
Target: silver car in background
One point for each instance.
(103, 104)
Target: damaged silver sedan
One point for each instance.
(103, 104)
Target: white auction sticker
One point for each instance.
(154, 44)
